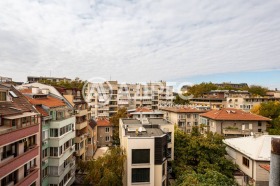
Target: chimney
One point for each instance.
(275, 162)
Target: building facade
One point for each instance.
(104, 132)
(33, 79)
(20, 139)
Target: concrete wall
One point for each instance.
(101, 136)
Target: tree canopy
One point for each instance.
(196, 153)
(198, 89)
(121, 113)
(257, 90)
(271, 110)
(106, 170)
(73, 84)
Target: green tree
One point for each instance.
(257, 90)
(198, 153)
(210, 178)
(121, 113)
(198, 89)
(180, 101)
(106, 170)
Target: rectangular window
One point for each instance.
(246, 162)
(140, 156)
(3, 96)
(107, 138)
(107, 129)
(53, 132)
(140, 175)
(169, 137)
(259, 123)
(163, 169)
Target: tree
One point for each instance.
(178, 100)
(198, 89)
(121, 113)
(271, 110)
(210, 178)
(198, 153)
(106, 170)
(257, 90)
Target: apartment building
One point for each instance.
(58, 133)
(233, 122)
(184, 117)
(232, 85)
(247, 103)
(19, 139)
(33, 79)
(92, 139)
(104, 132)
(148, 144)
(83, 116)
(208, 103)
(226, 93)
(5, 79)
(105, 98)
(252, 155)
(143, 112)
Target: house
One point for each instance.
(184, 117)
(210, 103)
(252, 155)
(58, 134)
(104, 132)
(143, 112)
(233, 122)
(20, 139)
(149, 145)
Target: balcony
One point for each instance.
(236, 132)
(14, 134)
(81, 125)
(30, 178)
(123, 102)
(103, 108)
(80, 113)
(18, 161)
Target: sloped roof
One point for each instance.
(18, 105)
(41, 110)
(257, 148)
(102, 122)
(48, 101)
(233, 115)
(265, 167)
(183, 110)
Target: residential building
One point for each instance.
(58, 133)
(247, 103)
(33, 79)
(273, 93)
(226, 93)
(105, 98)
(233, 122)
(5, 79)
(184, 117)
(20, 139)
(92, 139)
(232, 85)
(104, 132)
(252, 155)
(143, 112)
(208, 103)
(149, 144)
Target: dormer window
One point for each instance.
(3, 96)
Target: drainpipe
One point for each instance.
(274, 179)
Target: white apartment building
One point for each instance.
(252, 155)
(105, 98)
(149, 144)
(143, 112)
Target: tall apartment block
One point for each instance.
(149, 144)
(19, 139)
(32, 79)
(58, 134)
(106, 97)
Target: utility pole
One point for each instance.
(274, 179)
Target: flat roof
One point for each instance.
(149, 132)
(130, 121)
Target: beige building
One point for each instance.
(104, 132)
(143, 112)
(208, 103)
(233, 122)
(252, 155)
(92, 139)
(105, 98)
(184, 117)
(149, 144)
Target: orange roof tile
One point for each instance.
(143, 109)
(48, 101)
(233, 115)
(103, 123)
(183, 110)
(265, 167)
(41, 110)
(26, 91)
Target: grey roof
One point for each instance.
(150, 132)
(161, 121)
(131, 121)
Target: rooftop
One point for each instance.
(257, 148)
(48, 101)
(102, 122)
(182, 110)
(231, 114)
(146, 132)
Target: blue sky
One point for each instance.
(137, 41)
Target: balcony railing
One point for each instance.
(236, 132)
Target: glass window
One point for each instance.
(107, 129)
(140, 175)
(107, 138)
(140, 156)
(246, 162)
(3, 96)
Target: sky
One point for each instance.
(146, 40)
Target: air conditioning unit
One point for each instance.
(45, 143)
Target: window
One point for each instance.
(140, 156)
(53, 151)
(169, 134)
(259, 123)
(259, 130)
(163, 169)
(107, 129)
(141, 175)
(45, 172)
(246, 162)
(53, 132)
(188, 116)
(45, 153)
(107, 138)
(3, 96)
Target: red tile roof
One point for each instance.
(26, 91)
(183, 110)
(233, 115)
(48, 101)
(102, 122)
(41, 110)
(265, 167)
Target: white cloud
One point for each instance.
(137, 40)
